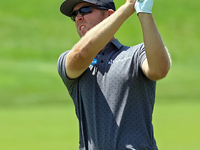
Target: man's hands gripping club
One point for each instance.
(144, 6)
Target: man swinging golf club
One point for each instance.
(112, 85)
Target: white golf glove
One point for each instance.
(144, 6)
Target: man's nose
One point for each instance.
(79, 17)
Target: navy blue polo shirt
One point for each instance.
(113, 100)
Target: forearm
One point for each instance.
(102, 33)
(96, 39)
(158, 58)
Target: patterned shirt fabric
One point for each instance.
(113, 100)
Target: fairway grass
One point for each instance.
(55, 127)
(38, 128)
(176, 125)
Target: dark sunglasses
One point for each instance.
(85, 10)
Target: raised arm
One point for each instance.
(82, 54)
(158, 61)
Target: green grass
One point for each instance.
(176, 125)
(35, 109)
(50, 127)
(181, 84)
(38, 128)
(30, 82)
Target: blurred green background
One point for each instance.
(36, 112)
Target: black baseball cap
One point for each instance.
(67, 6)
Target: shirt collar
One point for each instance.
(117, 44)
(113, 45)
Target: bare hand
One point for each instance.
(131, 1)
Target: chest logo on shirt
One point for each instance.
(93, 62)
(111, 62)
(120, 60)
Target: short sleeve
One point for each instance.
(69, 83)
(142, 54)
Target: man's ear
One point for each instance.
(110, 12)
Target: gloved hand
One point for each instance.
(144, 6)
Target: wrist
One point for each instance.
(146, 20)
(128, 8)
(144, 16)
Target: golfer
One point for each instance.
(112, 85)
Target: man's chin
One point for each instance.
(82, 34)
